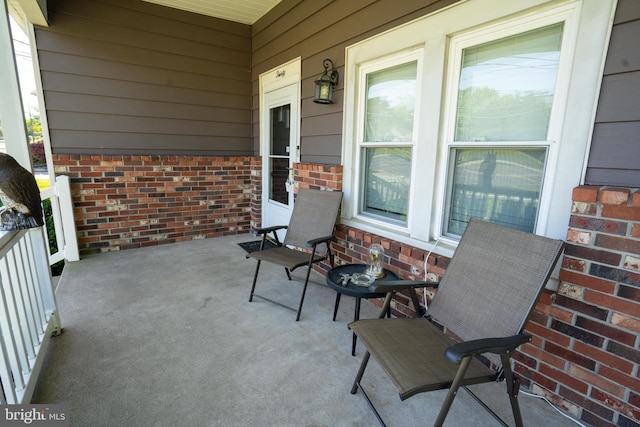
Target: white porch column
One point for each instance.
(11, 110)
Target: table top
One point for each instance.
(334, 281)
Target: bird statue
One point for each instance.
(20, 196)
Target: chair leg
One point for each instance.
(255, 278)
(304, 291)
(363, 366)
(513, 388)
(453, 391)
(288, 273)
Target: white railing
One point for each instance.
(28, 312)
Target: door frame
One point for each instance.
(283, 76)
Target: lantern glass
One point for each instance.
(324, 91)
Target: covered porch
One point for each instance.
(165, 335)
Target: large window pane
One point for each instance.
(506, 87)
(497, 185)
(390, 104)
(387, 173)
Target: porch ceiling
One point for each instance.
(243, 11)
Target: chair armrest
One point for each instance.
(267, 230)
(387, 286)
(311, 243)
(391, 287)
(456, 352)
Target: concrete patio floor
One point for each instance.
(165, 336)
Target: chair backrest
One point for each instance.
(493, 281)
(314, 215)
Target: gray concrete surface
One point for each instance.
(165, 336)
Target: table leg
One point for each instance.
(356, 316)
(335, 308)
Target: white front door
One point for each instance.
(279, 140)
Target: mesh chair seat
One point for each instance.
(401, 347)
(285, 257)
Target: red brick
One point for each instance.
(627, 322)
(603, 357)
(618, 243)
(570, 356)
(585, 193)
(579, 236)
(634, 399)
(567, 380)
(548, 334)
(605, 330)
(589, 253)
(621, 305)
(541, 355)
(556, 312)
(635, 199)
(575, 305)
(536, 377)
(574, 264)
(614, 196)
(588, 281)
(597, 381)
(619, 377)
(616, 404)
(631, 213)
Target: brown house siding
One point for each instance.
(315, 30)
(130, 77)
(615, 148)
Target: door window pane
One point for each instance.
(507, 86)
(498, 185)
(390, 104)
(387, 173)
(279, 156)
(280, 130)
(278, 179)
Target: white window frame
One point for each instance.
(485, 35)
(433, 37)
(381, 64)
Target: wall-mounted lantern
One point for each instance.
(325, 84)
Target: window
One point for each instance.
(505, 96)
(483, 109)
(386, 147)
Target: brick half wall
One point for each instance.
(585, 353)
(123, 202)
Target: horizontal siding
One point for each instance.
(162, 143)
(315, 30)
(125, 77)
(615, 147)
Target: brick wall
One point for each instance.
(123, 202)
(320, 177)
(585, 355)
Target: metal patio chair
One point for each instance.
(484, 300)
(307, 239)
